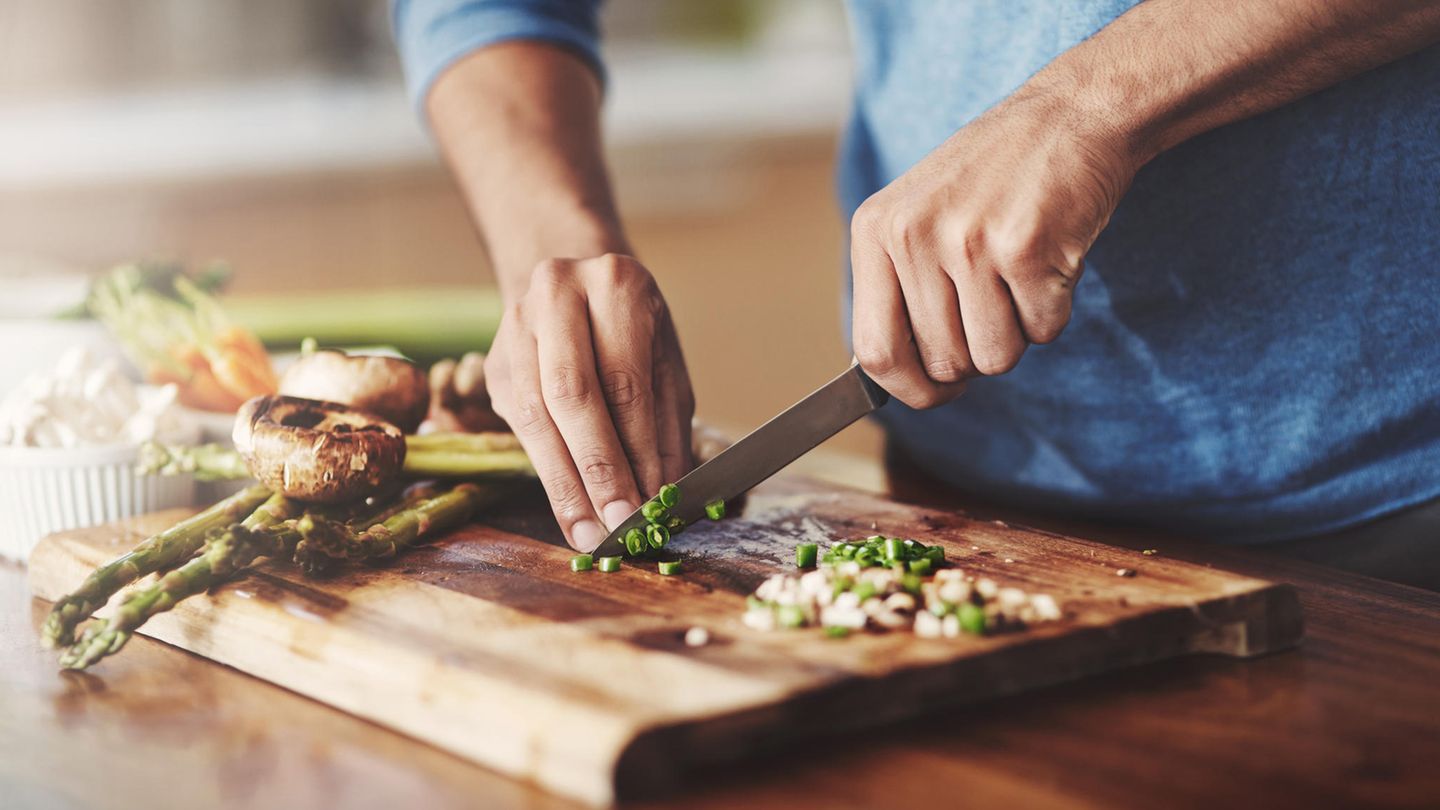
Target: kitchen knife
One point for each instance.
(767, 450)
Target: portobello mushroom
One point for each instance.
(322, 452)
(396, 390)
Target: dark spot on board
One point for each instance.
(271, 588)
(671, 639)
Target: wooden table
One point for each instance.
(1350, 718)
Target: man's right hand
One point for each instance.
(586, 368)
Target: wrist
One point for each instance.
(1104, 108)
(576, 234)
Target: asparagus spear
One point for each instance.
(438, 455)
(324, 540)
(208, 462)
(160, 551)
(228, 551)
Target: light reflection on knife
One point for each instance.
(767, 450)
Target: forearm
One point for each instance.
(1168, 70)
(519, 124)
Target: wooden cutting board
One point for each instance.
(486, 644)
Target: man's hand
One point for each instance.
(974, 252)
(587, 370)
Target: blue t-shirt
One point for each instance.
(1254, 350)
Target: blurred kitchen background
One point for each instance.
(275, 135)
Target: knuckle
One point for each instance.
(877, 358)
(567, 498)
(548, 275)
(947, 369)
(866, 222)
(1046, 328)
(995, 361)
(568, 386)
(598, 471)
(527, 414)
(612, 269)
(622, 387)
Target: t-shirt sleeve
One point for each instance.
(433, 34)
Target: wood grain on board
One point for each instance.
(487, 645)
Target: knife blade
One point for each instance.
(767, 449)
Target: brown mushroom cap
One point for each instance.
(395, 390)
(318, 451)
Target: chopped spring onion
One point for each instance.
(609, 565)
(837, 631)
(805, 554)
(654, 511)
(921, 566)
(669, 495)
(715, 510)
(669, 568)
(972, 618)
(895, 548)
(675, 524)
(656, 535)
(581, 562)
(790, 616)
(634, 542)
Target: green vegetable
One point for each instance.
(675, 524)
(581, 562)
(669, 568)
(715, 510)
(656, 535)
(166, 549)
(865, 556)
(790, 616)
(972, 618)
(911, 584)
(920, 567)
(805, 555)
(654, 511)
(865, 590)
(836, 631)
(936, 556)
(895, 548)
(609, 565)
(669, 495)
(634, 542)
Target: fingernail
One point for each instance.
(616, 512)
(587, 535)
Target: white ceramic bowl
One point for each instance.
(51, 489)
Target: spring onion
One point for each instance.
(609, 565)
(805, 554)
(895, 548)
(669, 495)
(654, 511)
(972, 618)
(581, 562)
(836, 631)
(669, 568)
(675, 524)
(920, 567)
(715, 510)
(790, 616)
(656, 535)
(634, 542)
